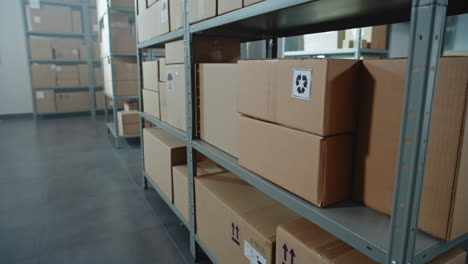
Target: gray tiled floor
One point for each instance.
(67, 196)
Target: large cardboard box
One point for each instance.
(45, 101)
(151, 103)
(443, 211)
(175, 96)
(219, 121)
(313, 95)
(300, 162)
(225, 6)
(201, 10)
(151, 75)
(308, 243)
(67, 75)
(208, 49)
(176, 14)
(163, 101)
(180, 177)
(49, 18)
(67, 49)
(72, 101)
(43, 75)
(76, 21)
(162, 151)
(236, 221)
(128, 122)
(40, 48)
(153, 20)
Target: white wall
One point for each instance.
(15, 88)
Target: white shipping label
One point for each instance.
(164, 11)
(58, 68)
(75, 52)
(53, 66)
(252, 254)
(37, 19)
(34, 4)
(40, 95)
(301, 83)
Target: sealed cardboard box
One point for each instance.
(300, 162)
(123, 37)
(76, 21)
(162, 151)
(123, 69)
(128, 122)
(163, 101)
(250, 2)
(122, 88)
(151, 75)
(219, 121)
(130, 106)
(151, 103)
(176, 14)
(45, 101)
(208, 49)
(67, 49)
(443, 203)
(98, 76)
(236, 221)
(201, 10)
(67, 75)
(175, 96)
(180, 176)
(49, 18)
(282, 91)
(153, 20)
(225, 6)
(43, 75)
(72, 101)
(83, 74)
(308, 243)
(40, 48)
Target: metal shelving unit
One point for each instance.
(112, 126)
(392, 240)
(87, 36)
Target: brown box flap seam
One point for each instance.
(321, 192)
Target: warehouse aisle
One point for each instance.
(66, 196)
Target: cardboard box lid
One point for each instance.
(280, 91)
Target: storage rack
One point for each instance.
(395, 239)
(84, 6)
(112, 126)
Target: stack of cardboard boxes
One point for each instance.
(122, 29)
(123, 75)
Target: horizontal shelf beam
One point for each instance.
(121, 54)
(334, 52)
(64, 112)
(56, 3)
(129, 97)
(161, 40)
(62, 61)
(68, 88)
(166, 127)
(55, 35)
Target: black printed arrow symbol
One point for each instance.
(237, 232)
(285, 249)
(233, 228)
(292, 255)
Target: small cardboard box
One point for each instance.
(43, 75)
(72, 101)
(318, 96)
(180, 177)
(40, 48)
(67, 49)
(45, 101)
(300, 162)
(176, 14)
(122, 88)
(236, 221)
(443, 211)
(208, 49)
(308, 243)
(201, 10)
(225, 6)
(130, 106)
(151, 103)
(49, 18)
(128, 122)
(175, 96)
(219, 121)
(162, 151)
(151, 75)
(67, 75)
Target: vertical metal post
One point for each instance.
(28, 54)
(191, 125)
(89, 56)
(357, 43)
(427, 25)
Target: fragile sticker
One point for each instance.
(252, 255)
(37, 19)
(40, 95)
(164, 11)
(34, 4)
(301, 82)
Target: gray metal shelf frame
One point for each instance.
(110, 55)
(395, 239)
(87, 35)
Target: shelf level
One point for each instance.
(56, 3)
(55, 35)
(168, 128)
(61, 61)
(62, 113)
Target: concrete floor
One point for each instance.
(67, 196)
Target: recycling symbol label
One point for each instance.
(301, 83)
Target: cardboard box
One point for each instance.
(151, 103)
(180, 177)
(128, 122)
(308, 243)
(162, 70)
(49, 18)
(123, 69)
(98, 76)
(251, 2)
(83, 75)
(208, 49)
(281, 91)
(122, 33)
(43, 75)
(130, 106)
(219, 121)
(72, 101)
(175, 96)
(302, 163)
(45, 101)
(99, 100)
(67, 75)
(163, 101)
(176, 14)
(122, 3)
(379, 37)
(153, 20)
(225, 6)
(162, 151)
(76, 21)
(122, 88)
(151, 75)
(201, 10)
(40, 48)
(235, 220)
(67, 49)
(443, 211)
